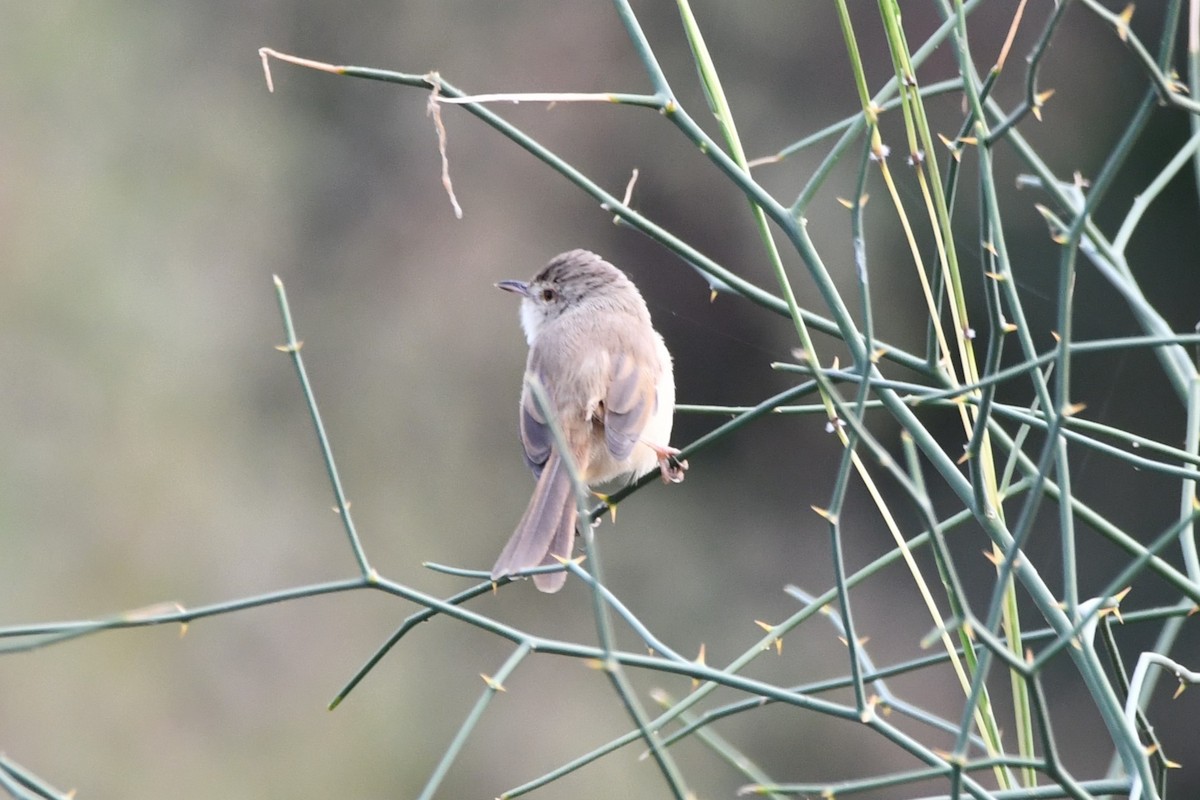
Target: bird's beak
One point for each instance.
(516, 287)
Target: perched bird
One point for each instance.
(607, 375)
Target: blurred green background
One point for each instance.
(156, 447)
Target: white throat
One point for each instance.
(531, 320)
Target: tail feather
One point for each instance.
(546, 529)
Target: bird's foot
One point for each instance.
(670, 465)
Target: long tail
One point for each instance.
(547, 529)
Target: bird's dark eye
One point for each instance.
(548, 295)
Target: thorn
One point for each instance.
(990, 247)
(151, 611)
(1179, 690)
(928, 639)
(1174, 85)
(1073, 408)
(1123, 20)
(612, 507)
(825, 514)
(1009, 327)
(845, 203)
(289, 348)
(769, 628)
(492, 683)
(1040, 100)
(700, 662)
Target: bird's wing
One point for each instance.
(627, 405)
(536, 438)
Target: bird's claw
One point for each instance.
(670, 465)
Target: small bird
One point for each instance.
(608, 378)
